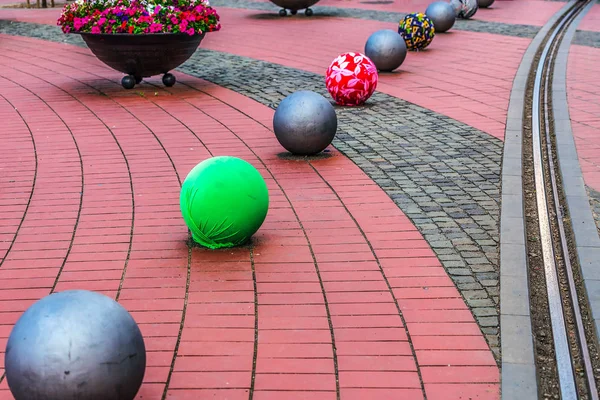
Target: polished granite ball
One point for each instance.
(464, 9)
(305, 123)
(75, 344)
(386, 49)
(484, 3)
(442, 14)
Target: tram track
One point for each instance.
(566, 354)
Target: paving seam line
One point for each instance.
(518, 376)
(587, 241)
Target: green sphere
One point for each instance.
(224, 200)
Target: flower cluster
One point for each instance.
(191, 17)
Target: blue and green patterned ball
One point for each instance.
(417, 30)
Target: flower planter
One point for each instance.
(294, 6)
(142, 56)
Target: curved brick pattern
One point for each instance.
(37, 254)
(444, 176)
(101, 244)
(457, 84)
(348, 233)
(18, 168)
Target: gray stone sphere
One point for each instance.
(305, 123)
(442, 14)
(386, 49)
(484, 3)
(464, 9)
(75, 345)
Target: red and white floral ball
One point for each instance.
(351, 79)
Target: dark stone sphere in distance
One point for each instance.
(305, 123)
(484, 3)
(72, 345)
(387, 49)
(442, 14)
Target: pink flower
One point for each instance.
(78, 23)
(190, 31)
(95, 29)
(155, 28)
(101, 21)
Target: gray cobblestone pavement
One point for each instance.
(443, 174)
(587, 38)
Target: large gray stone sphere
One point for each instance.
(484, 3)
(75, 345)
(386, 49)
(305, 123)
(442, 14)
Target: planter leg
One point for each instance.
(293, 12)
(168, 79)
(128, 81)
(282, 12)
(138, 79)
(308, 12)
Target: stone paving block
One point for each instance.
(512, 205)
(593, 294)
(512, 229)
(585, 230)
(518, 381)
(513, 260)
(515, 295)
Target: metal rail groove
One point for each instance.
(559, 330)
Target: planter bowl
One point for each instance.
(294, 6)
(142, 56)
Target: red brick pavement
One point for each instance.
(591, 21)
(524, 12)
(449, 77)
(583, 93)
(336, 262)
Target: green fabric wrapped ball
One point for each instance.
(224, 200)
